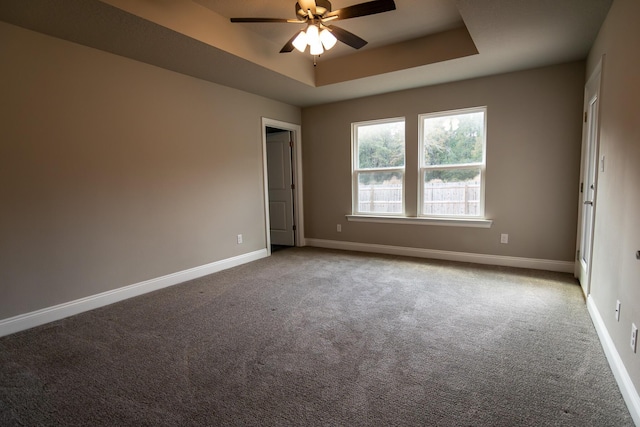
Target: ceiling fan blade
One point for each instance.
(260, 20)
(308, 5)
(363, 9)
(346, 37)
(288, 47)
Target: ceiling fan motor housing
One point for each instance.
(322, 7)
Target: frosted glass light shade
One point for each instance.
(312, 35)
(328, 39)
(316, 48)
(300, 42)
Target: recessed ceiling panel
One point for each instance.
(411, 19)
(195, 37)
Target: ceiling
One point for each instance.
(421, 43)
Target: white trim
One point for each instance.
(298, 211)
(451, 222)
(507, 261)
(60, 311)
(629, 393)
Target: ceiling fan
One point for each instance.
(319, 34)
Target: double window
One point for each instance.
(450, 165)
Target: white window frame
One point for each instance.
(424, 168)
(355, 170)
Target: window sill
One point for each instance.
(449, 222)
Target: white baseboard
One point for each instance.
(507, 261)
(629, 392)
(50, 314)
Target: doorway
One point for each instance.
(283, 184)
(588, 181)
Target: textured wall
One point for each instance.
(533, 158)
(113, 172)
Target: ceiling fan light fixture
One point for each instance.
(328, 39)
(300, 42)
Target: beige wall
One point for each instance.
(533, 156)
(616, 272)
(113, 172)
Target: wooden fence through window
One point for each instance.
(440, 198)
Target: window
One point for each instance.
(447, 170)
(452, 163)
(378, 167)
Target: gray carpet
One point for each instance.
(319, 337)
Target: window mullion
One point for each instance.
(449, 167)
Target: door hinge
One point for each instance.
(291, 144)
(293, 186)
(578, 255)
(585, 117)
(294, 228)
(582, 187)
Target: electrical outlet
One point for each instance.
(504, 238)
(618, 310)
(239, 238)
(339, 228)
(634, 337)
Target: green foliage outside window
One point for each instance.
(381, 146)
(454, 140)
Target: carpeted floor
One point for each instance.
(320, 337)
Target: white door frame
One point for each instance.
(296, 163)
(591, 129)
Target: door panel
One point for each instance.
(278, 216)
(279, 173)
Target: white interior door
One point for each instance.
(279, 173)
(588, 182)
